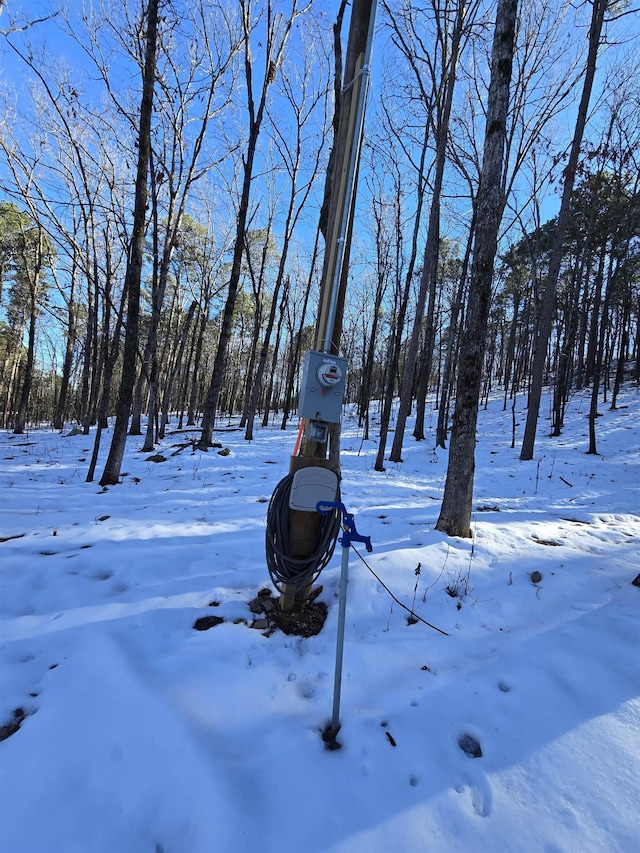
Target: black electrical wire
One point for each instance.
(284, 569)
(411, 611)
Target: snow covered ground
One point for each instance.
(139, 734)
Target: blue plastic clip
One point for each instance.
(350, 534)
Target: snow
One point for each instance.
(142, 735)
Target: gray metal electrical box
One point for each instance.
(323, 386)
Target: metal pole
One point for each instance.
(346, 171)
(349, 535)
(342, 607)
(362, 81)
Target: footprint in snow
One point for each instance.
(481, 794)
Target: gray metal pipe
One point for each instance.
(362, 81)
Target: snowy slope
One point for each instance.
(139, 734)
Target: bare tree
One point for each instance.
(404, 269)
(300, 153)
(278, 27)
(178, 155)
(455, 513)
(449, 42)
(111, 473)
(73, 185)
(548, 300)
(30, 253)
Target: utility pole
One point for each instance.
(304, 525)
(341, 201)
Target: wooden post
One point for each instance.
(303, 529)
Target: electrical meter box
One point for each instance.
(323, 386)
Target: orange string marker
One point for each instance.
(299, 438)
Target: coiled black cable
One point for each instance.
(298, 572)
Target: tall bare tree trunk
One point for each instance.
(133, 273)
(276, 42)
(21, 415)
(549, 296)
(268, 397)
(455, 513)
(176, 367)
(597, 373)
(428, 278)
(453, 336)
(395, 344)
(62, 404)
